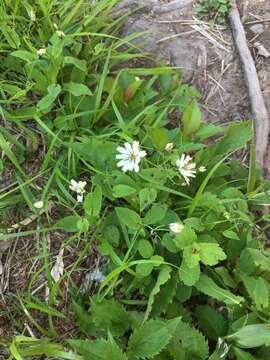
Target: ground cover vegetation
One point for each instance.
(115, 161)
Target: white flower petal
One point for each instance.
(122, 156)
(128, 147)
(142, 153)
(80, 198)
(136, 167)
(122, 150)
(176, 227)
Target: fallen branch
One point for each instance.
(258, 107)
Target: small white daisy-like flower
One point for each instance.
(41, 52)
(186, 168)
(60, 33)
(176, 227)
(202, 169)
(32, 15)
(78, 187)
(39, 204)
(169, 147)
(130, 156)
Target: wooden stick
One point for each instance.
(258, 107)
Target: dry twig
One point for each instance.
(259, 110)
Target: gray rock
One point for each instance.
(257, 28)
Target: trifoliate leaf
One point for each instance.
(211, 253)
(151, 338)
(189, 275)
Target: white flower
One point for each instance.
(78, 187)
(32, 15)
(41, 52)
(169, 147)
(39, 204)
(176, 227)
(202, 169)
(130, 156)
(60, 33)
(186, 168)
(58, 268)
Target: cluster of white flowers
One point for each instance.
(60, 33)
(41, 52)
(187, 168)
(78, 187)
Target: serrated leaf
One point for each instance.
(90, 350)
(151, 338)
(109, 315)
(191, 119)
(211, 253)
(189, 275)
(129, 217)
(210, 321)
(207, 286)
(113, 351)
(192, 342)
(163, 277)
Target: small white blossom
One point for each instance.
(176, 227)
(202, 169)
(60, 33)
(130, 156)
(169, 147)
(58, 268)
(97, 275)
(39, 204)
(186, 168)
(41, 52)
(32, 15)
(78, 187)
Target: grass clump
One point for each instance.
(147, 239)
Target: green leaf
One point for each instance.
(186, 237)
(80, 64)
(208, 130)
(113, 351)
(11, 36)
(191, 119)
(191, 342)
(207, 286)
(155, 214)
(123, 191)
(144, 270)
(163, 277)
(160, 138)
(24, 55)
(93, 202)
(152, 337)
(236, 137)
(258, 290)
(77, 89)
(147, 196)
(211, 322)
(145, 248)
(83, 319)
(252, 336)
(242, 355)
(90, 350)
(189, 275)
(231, 235)
(47, 101)
(129, 217)
(109, 315)
(211, 253)
(68, 223)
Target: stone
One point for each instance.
(257, 28)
